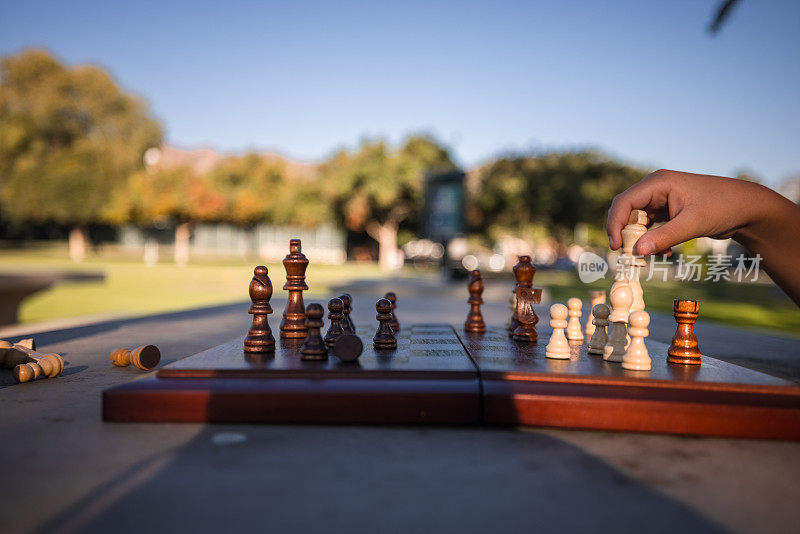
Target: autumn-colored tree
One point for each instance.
(69, 137)
(377, 188)
(554, 191)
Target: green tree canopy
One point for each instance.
(70, 136)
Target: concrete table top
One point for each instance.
(66, 470)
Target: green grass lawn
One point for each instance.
(131, 288)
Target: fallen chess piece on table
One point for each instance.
(145, 357)
(27, 363)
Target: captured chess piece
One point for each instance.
(524, 317)
(347, 322)
(636, 357)
(596, 296)
(293, 325)
(29, 364)
(335, 315)
(621, 299)
(474, 322)
(259, 337)
(314, 347)
(348, 347)
(684, 348)
(599, 338)
(395, 324)
(574, 330)
(145, 357)
(558, 346)
(384, 337)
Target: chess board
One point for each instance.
(441, 375)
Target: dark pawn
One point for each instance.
(259, 337)
(314, 347)
(348, 347)
(474, 322)
(335, 314)
(384, 337)
(347, 322)
(684, 348)
(395, 324)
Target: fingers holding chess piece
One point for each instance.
(259, 337)
(621, 299)
(384, 337)
(597, 343)
(574, 330)
(335, 316)
(684, 348)
(474, 322)
(636, 357)
(314, 347)
(395, 324)
(558, 346)
(146, 357)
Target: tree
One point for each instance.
(554, 191)
(70, 136)
(376, 189)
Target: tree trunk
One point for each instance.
(386, 236)
(78, 240)
(183, 233)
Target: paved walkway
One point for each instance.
(67, 471)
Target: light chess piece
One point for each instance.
(259, 337)
(293, 325)
(314, 347)
(49, 365)
(574, 331)
(395, 324)
(597, 343)
(621, 299)
(474, 322)
(630, 235)
(636, 357)
(684, 348)
(558, 346)
(335, 316)
(384, 337)
(596, 296)
(145, 357)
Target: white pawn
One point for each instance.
(621, 299)
(597, 343)
(558, 347)
(574, 330)
(636, 357)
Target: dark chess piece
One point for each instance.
(384, 337)
(395, 324)
(684, 348)
(526, 319)
(523, 273)
(474, 322)
(347, 322)
(335, 314)
(293, 324)
(348, 347)
(314, 347)
(259, 337)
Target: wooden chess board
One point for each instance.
(441, 375)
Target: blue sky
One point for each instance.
(642, 80)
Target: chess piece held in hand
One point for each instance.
(145, 357)
(684, 348)
(558, 347)
(384, 337)
(474, 322)
(597, 343)
(293, 325)
(314, 347)
(636, 357)
(259, 337)
(621, 299)
(574, 330)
